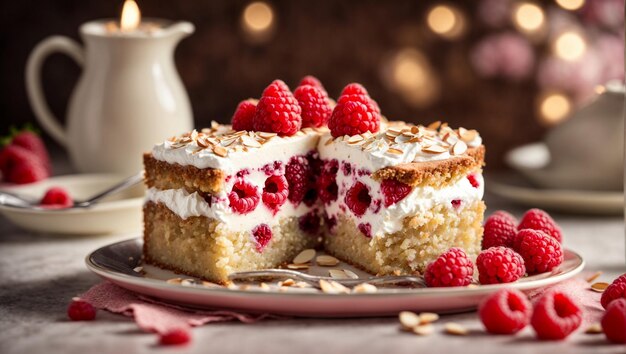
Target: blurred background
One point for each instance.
(511, 69)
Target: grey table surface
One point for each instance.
(39, 274)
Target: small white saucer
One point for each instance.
(118, 213)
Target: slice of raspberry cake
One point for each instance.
(387, 197)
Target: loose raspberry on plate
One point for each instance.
(262, 235)
(499, 265)
(316, 109)
(298, 173)
(538, 219)
(313, 81)
(358, 198)
(244, 197)
(175, 337)
(617, 290)
(32, 142)
(394, 191)
(500, 230)
(278, 111)
(310, 222)
(614, 321)
(555, 316)
(452, 268)
(244, 115)
(507, 311)
(275, 192)
(19, 165)
(56, 197)
(81, 310)
(541, 252)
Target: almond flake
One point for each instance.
(467, 135)
(351, 274)
(599, 287)
(409, 319)
(210, 285)
(415, 129)
(304, 257)
(287, 282)
(416, 139)
(220, 151)
(188, 282)
(355, 139)
(434, 149)
(395, 151)
(264, 286)
(434, 125)
(428, 317)
(251, 142)
(423, 330)
(459, 148)
(593, 277)
(174, 281)
(337, 274)
(365, 288)
(266, 135)
(455, 329)
(393, 131)
(298, 266)
(595, 328)
(332, 287)
(401, 139)
(328, 142)
(138, 269)
(326, 261)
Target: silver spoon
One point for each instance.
(16, 201)
(314, 280)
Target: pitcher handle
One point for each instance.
(36, 96)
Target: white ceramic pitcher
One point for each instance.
(128, 98)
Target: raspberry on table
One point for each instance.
(19, 165)
(277, 111)
(614, 321)
(452, 268)
(499, 230)
(262, 235)
(298, 173)
(538, 219)
(394, 191)
(275, 192)
(541, 252)
(358, 198)
(506, 311)
(313, 81)
(244, 197)
(32, 142)
(244, 115)
(316, 109)
(175, 337)
(555, 316)
(617, 290)
(499, 265)
(81, 310)
(56, 197)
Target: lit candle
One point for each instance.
(131, 16)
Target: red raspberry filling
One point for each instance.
(452, 268)
(310, 222)
(56, 197)
(262, 235)
(80, 310)
(175, 337)
(555, 316)
(473, 180)
(244, 197)
(244, 114)
(456, 203)
(278, 111)
(541, 252)
(499, 265)
(358, 198)
(275, 192)
(505, 312)
(366, 229)
(500, 230)
(394, 191)
(614, 321)
(537, 219)
(299, 174)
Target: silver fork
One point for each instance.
(314, 280)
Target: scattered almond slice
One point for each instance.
(266, 135)
(395, 151)
(264, 286)
(298, 266)
(326, 261)
(355, 139)
(428, 317)
(434, 125)
(434, 149)
(220, 151)
(593, 277)
(337, 274)
(250, 142)
(455, 329)
(365, 288)
(287, 282)
(332, 287)
(423, 330)
(459, 148)
(329, 141)
(174, 281)
(599, 287)
(138, 269)
(595, 328)
(304, 257)
(351, 274)
(409, 320)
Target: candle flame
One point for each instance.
(131, 16)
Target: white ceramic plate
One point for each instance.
(118, 213)
(116, 262)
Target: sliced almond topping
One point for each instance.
(409, 319)
(220, 151)
(428, 317)
(304, 257)
(595, 328)
(401, 139)
(250, 142)
(467, 135)
(434, 125)
(214, 124)
(355, 139)
(393, 131)
(434, 149)
(459, 148)
(395, 151)
(415, 129)
(298, 266)
(365, 288)
(593, 277)
(455, 329)
(337, 274)
(326, 261)
(266, 135)
(329, 141)
(351, 274)
(423, 330)
(332, 287)
(416, 139)
(599, 287)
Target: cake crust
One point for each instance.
(163, 175)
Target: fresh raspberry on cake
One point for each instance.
(278, 111)
(275, 192)
(313, 81)
(81, 310)
(354, 89)
(394, 191)
(541, 252)
(358, 198)
(175, 337)
(262, 235)
(452, 268)
(56, 197)
(352, 118)
(19, 165)
(555, 316)
(499, 265)
(244, 197)
(538, 219)
(507, 311)
(298, 173)
(614, 321)
(316, 110)
(500, 230)
(617, 290)
(244, 115)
